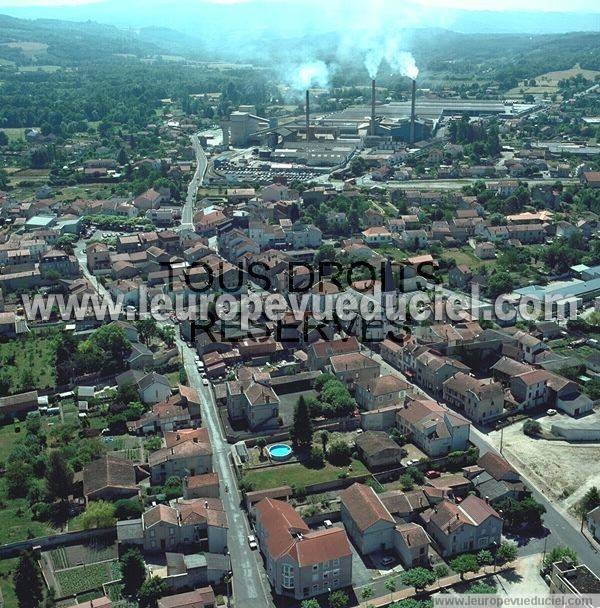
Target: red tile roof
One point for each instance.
(364, 506)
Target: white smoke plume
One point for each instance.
(313, 74)
(400, 61)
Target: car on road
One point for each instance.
(551, 412)
(252, 542)
(205, 382)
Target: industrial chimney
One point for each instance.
(373, 107)
(307, 105)
(412, 112)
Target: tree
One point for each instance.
(440, 571)
(261, 444)
(557, 554)
(147, 329)
(485, 557)
(122, 157)
(499, 283)
(507, 552)
(481, 587)
(99, 514)
(391, 586)
(338, 599)
(128, 508)
(339, 453)
(532, 428)
(127, 393)
(464, 563)
(28, 582)
(133, 571)
(151, 591)
(310, 604)
(302, 429)
(418, 578)
(3, 138)
(316, 457)
(366, 594)
(591, 499)
(59, 476)
(407, 482)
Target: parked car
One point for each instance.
(205, 382)
(252, 542)
(551, 412)
(432, 474)
(387, 560)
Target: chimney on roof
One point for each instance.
(206, 504)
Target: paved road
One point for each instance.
(187, 213)
(250, 585)
(449, 184)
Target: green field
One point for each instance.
(86, 578)
(9, 437)
(299, 475)
(29, 362)
(15, 134)
(9, 598)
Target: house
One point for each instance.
(188, 452)
(377, 236)
(530, 389)
(570, 579)
(320, 352)
(467, 527)
(432, 370)
(201, 486)
(481, 401)
(199, 598)
(152, 387)
(168, 415)
(141, 357)
(460, 276)
(529, 346)
(411, 543)
(380, 392)
(593, 522)
(485, 251)
(109, 479)
(366, 519)
(262, 405)
(497, 479)
(168, 528)
(506, 368)
(301, 563)
(17, 406)
(354, 367)
(377, 450)
(433, 428)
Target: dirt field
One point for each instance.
(567, 470)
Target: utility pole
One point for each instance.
(501, 439)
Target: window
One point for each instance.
(288, 576)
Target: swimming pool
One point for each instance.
(280, 451)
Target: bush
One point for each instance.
(316, 458)
(416, 474)
(128, 509)
(532, 428)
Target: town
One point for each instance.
(176, 433)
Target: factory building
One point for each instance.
(244, 128)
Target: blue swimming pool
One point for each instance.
(280, 451)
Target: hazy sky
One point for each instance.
(499, 5)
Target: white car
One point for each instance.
(205, 382)
(252, 542)
(551, 412)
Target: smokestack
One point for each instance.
(412, 112)
(307, 106)
(373, 107)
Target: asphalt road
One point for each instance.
(187, 213)
(250, 585)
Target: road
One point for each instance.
(250, 585)
(563, 529)
(449, 184)
(187, 212)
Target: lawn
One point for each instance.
(300, 475)
(29, 362)
(9, 598)
(16, 520)
(86, 578)
(9, 438)
(17, 134)
(465, 256)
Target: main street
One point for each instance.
(250, 585)
(187, 212)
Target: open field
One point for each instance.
(566, 469)
(85, 578)
(29, 362)
(17, 134)
(553, 78)
(300, 475)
